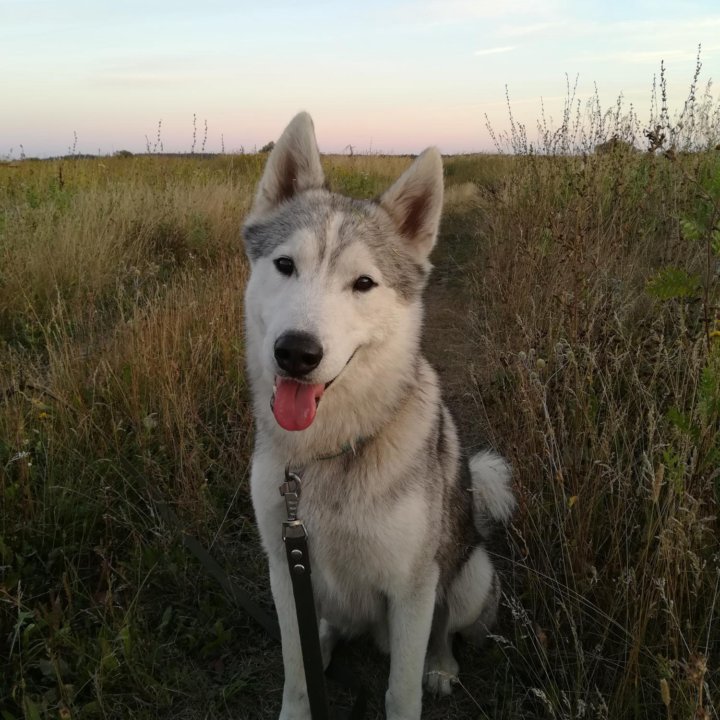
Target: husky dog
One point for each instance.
(343, 396)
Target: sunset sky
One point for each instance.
(381, 75)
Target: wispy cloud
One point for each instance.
(454, 11)
(533, 29)
(654, 56)
(495, 50)
(656, 31)
(671, 26)
(137, 80)
(651, 57)
(157, 70)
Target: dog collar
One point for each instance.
(345, 448)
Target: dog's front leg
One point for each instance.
(410, 614)
(295, 704)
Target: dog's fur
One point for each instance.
(395, 520)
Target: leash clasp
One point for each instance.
(290, 490)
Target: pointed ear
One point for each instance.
(414, 202)
(293, 166)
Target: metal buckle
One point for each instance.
(293, 530)
(290, 490)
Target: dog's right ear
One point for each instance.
(293, 166)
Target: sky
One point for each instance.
(98, 76)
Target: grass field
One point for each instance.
(574, 318)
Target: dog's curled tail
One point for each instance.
(493, 498)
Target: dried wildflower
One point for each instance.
(696, 669)
(665, 692)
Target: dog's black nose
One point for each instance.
(298, 353)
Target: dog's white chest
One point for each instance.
(360, 547)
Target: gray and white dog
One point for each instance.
(343, 395)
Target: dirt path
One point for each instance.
(447, 339)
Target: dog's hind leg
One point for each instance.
(381, 634)
(329, 635)
(441, 668)
(473, 597)
(478, 631)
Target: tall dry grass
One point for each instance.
(597, 318)
(593, 295)
(121, 385)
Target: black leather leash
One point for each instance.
(298, 557)
(295, 539)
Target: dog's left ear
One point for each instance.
(415, 201)
(293, 166)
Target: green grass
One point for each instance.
(587, 355)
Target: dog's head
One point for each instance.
(334, 280)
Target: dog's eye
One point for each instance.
(284, 265)
(364, 283)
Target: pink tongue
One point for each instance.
(295, 403)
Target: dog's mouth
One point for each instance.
(294, 403)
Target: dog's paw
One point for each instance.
(441, 673)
